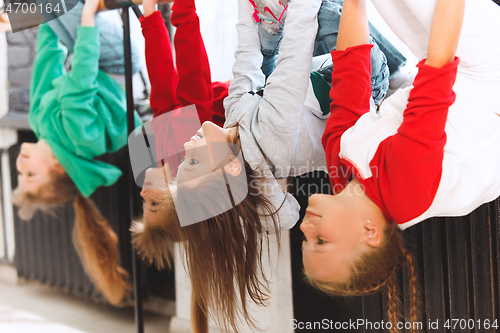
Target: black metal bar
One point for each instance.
(137, 11)
(136, 264)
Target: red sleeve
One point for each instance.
(350, 95)
(195, 83)
(160, 64)
(191, 84)
(409, 164)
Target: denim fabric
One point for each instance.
(270, 44)
(395, 59)
(380, 73)
(111, 59)
(326, 41)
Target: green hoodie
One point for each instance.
(81, 113)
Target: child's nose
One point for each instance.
(306, 228)
(144, 193)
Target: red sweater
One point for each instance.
(189, 84)
(407, 166)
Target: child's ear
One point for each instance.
(372, 233)
(234, 167)
(59, 168)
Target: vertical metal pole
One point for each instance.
(136, 264)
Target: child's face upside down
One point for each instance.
(205, 152)
(153, 192)
(338, 229)
(34, 164)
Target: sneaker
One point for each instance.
(271, 14)
(402, 78)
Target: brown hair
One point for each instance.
(376, 270)
(155, 245)
(223, 253)
(93, 237)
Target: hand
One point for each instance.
(88, 13)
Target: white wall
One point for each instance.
(218, 28)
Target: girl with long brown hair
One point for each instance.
(77, 116)
(422, 155)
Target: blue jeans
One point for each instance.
(111, 59)
(328, 28)
(326, 41)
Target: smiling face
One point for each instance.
(34, 164)
(206, 151)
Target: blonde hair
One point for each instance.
(93, 237)
(376, 270)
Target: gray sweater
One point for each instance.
(281, 132)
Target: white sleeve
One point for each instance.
(286, 88)
(248, 58)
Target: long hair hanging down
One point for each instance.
(93, 237)
(375, 271)
(224, 253)
(155, 245)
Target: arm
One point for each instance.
(418, 146)
(351, 86)
(281, 107)
(159, 61)
(445, 32)
(80, 86)
(195, 82)
(48, 65)
(248, 58)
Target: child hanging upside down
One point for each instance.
(77, 116)
(428, 152)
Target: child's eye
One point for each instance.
(154, 203)
(30, 174)
(321, 242)
(193, 162)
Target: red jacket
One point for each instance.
(189, 84)
(406, 167)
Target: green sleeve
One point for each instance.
(48, 65)
(78, 96)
